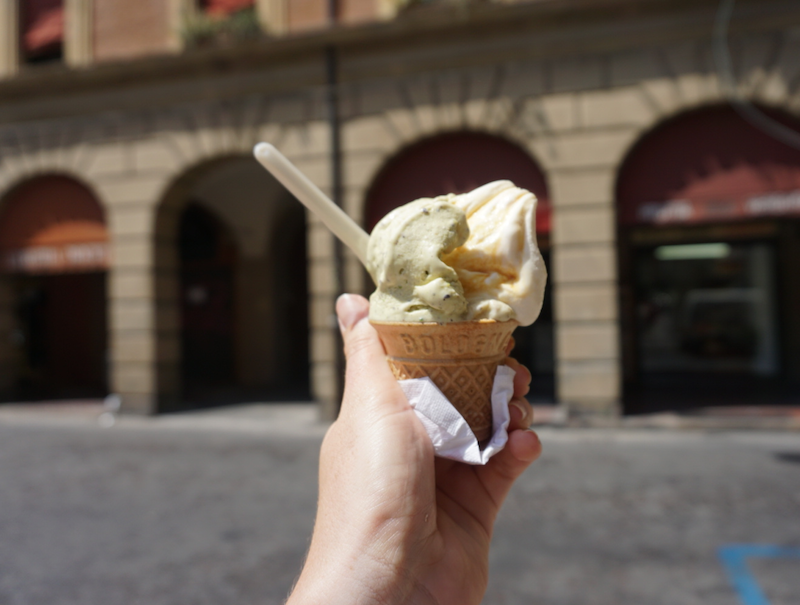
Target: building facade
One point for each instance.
(145, 253)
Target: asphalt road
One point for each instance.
(206, 511)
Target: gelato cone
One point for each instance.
(460, 358)
(454, 276)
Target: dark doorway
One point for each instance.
(290, 292)
(207, 261)
(61, 335)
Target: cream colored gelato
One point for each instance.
(459, 258)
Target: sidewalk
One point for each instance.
(302, 418)
(296, 419)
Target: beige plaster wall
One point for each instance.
(577, 116)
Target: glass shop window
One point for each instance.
(708, 307)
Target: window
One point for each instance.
(42, 38)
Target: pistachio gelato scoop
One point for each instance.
(459, 258)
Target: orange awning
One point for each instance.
(52, 224)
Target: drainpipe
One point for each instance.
(331, 409)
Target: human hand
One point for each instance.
(394, 524)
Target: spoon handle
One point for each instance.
(310, 195)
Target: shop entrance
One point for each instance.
(207, 260)
(458, 162)
(709, 277)
(54, 248)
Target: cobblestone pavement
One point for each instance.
(217, 508)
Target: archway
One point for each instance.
(709, 222)
(228, 236)
(458, 162)
(54, 249)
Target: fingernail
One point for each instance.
(520, 412)
(348, 310)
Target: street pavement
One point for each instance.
(217, 508)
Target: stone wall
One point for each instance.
(578, 116)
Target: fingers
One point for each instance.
(521, 414)
(499, 474)
(522, 378)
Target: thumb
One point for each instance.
(368, 375)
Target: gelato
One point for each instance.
(458, 258)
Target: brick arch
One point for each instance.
(700, 156)
(11, 178)
(167, 288)
(52, 223)
(55, 257)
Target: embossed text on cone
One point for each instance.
(461, 358)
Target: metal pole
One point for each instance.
(332, 77)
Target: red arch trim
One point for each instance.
(709, 165)
(52, 224)
(455, 163)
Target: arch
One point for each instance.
(55, 256)
(683, 169)
(709, 225)
(454, 162)
(248, 208)
(52, 224)
(457, 162)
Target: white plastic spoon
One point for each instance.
(335, 219)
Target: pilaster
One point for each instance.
(78, 25)
(9, 38)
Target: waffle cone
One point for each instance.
(461, 358)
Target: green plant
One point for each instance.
(204, 30)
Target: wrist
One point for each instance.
(337, 579)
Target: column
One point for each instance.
(9, 38)
(137, 348)
(78, 26)
(272, 14)
(584, 285)
(179, 12)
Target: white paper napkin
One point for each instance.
(451, 436)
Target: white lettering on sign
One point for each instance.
(697, 211)
(41, 259)
(774, 203)
(673, 211)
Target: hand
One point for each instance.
(394, 524)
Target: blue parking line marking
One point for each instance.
(734, 559)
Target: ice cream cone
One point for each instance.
(460, 357)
